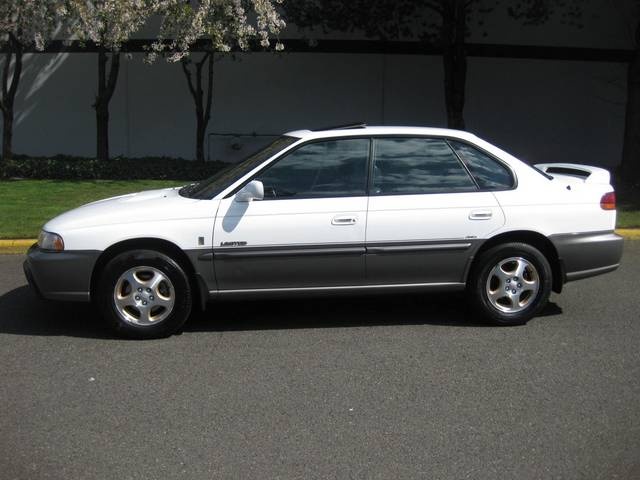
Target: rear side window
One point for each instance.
(335, 168)
(488, 172)
(410, 166)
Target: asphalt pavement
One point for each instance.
(381, 387)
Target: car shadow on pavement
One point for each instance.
(22, 313)
(449, 309)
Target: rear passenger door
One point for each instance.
(426, 212)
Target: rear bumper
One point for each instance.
(584, 255)
(60, 275)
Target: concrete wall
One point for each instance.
(539, 110)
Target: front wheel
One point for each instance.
(144, 294)
(510, 283)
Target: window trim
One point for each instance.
(464, 165)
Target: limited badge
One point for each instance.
(233, 244)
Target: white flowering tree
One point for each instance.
(24, 24)
(212, 26)
(108, 24)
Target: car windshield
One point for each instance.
(212, 186)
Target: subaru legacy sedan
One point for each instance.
(354, 210)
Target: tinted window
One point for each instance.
(212, 186)
(406, 166)
(336, 168)
(488, 172)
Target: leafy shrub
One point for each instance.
(73, 168)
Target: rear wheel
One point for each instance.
(144, 294)
(510, 283)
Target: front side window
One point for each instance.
(488, 172)
(333, 168)
(412, 166)
(214, 185)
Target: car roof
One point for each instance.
(357, 131)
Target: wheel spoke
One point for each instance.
(501, 274)
(159, 294)
(132, 278)
(145, 315)
(165, 302)
(154, 282)
(505, 301)
(496, 295)
(126, 301)
(521, 266)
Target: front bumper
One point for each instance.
(585, 255)
(60, 275)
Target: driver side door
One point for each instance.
(308, 231)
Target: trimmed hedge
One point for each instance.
(73, 168)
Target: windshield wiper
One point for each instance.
(188, 189)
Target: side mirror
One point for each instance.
(254, 190)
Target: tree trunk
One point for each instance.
(200, 133)
(630, 167)
(106, 86)
(454, 24)
(9, 90)
(202, 102)
(7, 133)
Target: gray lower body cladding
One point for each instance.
(320, 269)
(289, 267)
(60, 275)
(317, 269)
(584, 255)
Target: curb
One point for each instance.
(629, 233)
(15, 246)
(22, 244)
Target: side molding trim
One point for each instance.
(407, 287)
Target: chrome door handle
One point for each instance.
(480, 215)
(344, 221)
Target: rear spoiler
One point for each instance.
(585, 173)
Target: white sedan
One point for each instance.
(354, 209)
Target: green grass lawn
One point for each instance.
(628, 217)
(25, 205)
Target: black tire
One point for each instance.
(177, 288)
(479, 291)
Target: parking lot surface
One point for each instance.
(372, 387)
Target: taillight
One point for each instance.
(608, 201)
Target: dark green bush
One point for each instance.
(73, 168)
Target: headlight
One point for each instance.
(50, 241)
